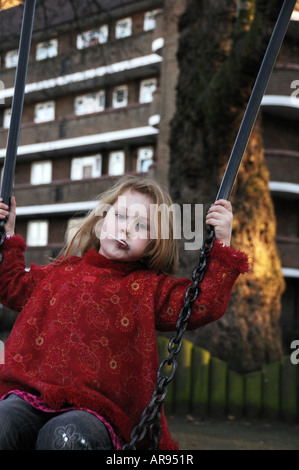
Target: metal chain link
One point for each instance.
(151, 415)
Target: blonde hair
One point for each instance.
(162, 253)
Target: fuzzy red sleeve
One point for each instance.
(223, 268)
(17, 283)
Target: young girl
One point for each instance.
(81, 361)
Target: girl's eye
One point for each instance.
(141, 226)
(120, 216)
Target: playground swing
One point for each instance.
(151, 416)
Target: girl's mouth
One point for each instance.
(120, 243)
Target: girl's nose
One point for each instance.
(128, 228)
(125, 228)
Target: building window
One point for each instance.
(120, 96)
(116, 163)
(6, 118)
(149, 21)
(2, 88)
(37, 233)
(46, 50)
(41, 172)
(86, 167)
(92, 37)
(147, 87)
(90, 103)
(123, 28)
(73, 226)
(11, 59)
(144, 158)
(44, 112)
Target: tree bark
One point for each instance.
(220, 51)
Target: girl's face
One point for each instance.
(125, 232)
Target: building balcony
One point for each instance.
(283, 106)
(73, 134)
(283, 165)
(42, 255)
(289, 191)
(280, 83)
(80, 70)
(60, 197)
(288, 248)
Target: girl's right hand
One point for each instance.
(4, 212)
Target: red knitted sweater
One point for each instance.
(86, 336)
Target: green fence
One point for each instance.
(203, 385)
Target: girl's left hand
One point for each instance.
(220, 216)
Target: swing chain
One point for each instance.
(152, 413)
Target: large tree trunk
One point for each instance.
(220, 51)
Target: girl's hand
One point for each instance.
(4, 212)
(220, 216)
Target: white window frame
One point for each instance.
(116, 167)
(116, 103)
(73, 226)
(89, 103)
(147, 88)
(41, 172)
(149, 21)
(79, 163)
(123, 28)
(144, 159)
(6, 118)
(93, 37)
(41, 111)
(37, 233)
(46, 49)
(11, 59)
